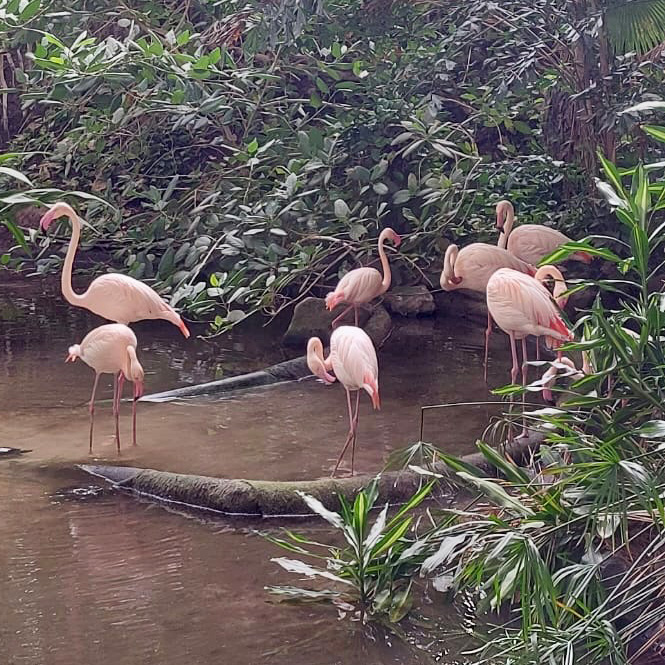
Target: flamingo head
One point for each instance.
(333, 299)
(56, 210)
(503, 208)
(371, 386)
(395, 237)
(134, 372)
(315, 360)
(74, 353)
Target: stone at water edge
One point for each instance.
(379, 325)
(312, 319)
(409, 301)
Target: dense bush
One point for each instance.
(253, 152)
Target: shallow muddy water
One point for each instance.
(103, 578)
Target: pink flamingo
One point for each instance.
(530, 242)
(112, 296)
(353, 360)
(111, 349)
(471, 268)
(522, 306)
(361, 285)
(544, 274)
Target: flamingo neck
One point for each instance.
(449, 259)
(385, 282)
(507, 225)
(66, 280)
(560, 287)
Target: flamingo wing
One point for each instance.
(360, 285)
(124, 299)
(533, 242)
(477, 262)
(105, 348)
(520, 304)
(353, 357)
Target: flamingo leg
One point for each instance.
(513, 377)
(355, 319)
(488, 332)
(119, 381)
(513, 349)
(537, 348)
(355, 431)
(92, 409)
(337, 318)
(525, 371)
(349, 436)
(134, 415)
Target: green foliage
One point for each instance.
(545, 549)
(372, 572)
(256, 155)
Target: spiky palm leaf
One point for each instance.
(635, 25)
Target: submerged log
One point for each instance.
(289, 370)
(279, 498)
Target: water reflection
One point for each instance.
(104, 579)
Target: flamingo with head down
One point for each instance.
(111, 349)
(530, 242)
(353, 360)
(522, 306)
(112, 296)
(472, 266)
(362, 285)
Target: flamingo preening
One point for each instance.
(530, 242)
(362, 285)
(111, 349)
(112, 296)
(522, 306)
(353, 360)
(472, 266)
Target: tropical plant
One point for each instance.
(372, 573)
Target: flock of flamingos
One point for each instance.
(517, 301)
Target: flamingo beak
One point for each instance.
(46, 220)
(586, 257)
(397, 240)
(183, 329)
(547, 396)
(138, 389)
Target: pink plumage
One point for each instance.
(112, 296)
(111, 349)
(522, 305)
(472, 266)
(530, 242)
(353, 360)
(362, 285)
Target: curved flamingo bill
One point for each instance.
(46, 220)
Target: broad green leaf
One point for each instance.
(655, 131)
(13, 173)
(496, 493)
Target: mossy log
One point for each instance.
(264, 498)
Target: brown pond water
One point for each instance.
(98, 577)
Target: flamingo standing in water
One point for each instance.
(361, 285)
(111, 349)
(522, 306)
(112, 296)
(530, 242)
(471, 268)
(353, 360)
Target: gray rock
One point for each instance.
(312, 319)
(379, 325)
(462, 304)
(409, 301)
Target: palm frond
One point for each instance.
(635, 25)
